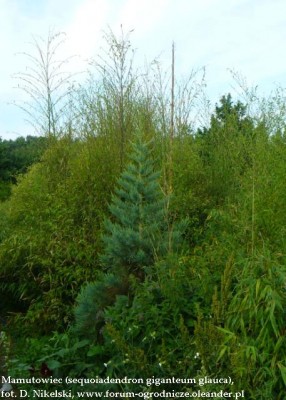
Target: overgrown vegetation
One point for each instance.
(16, 156)
(125, 253)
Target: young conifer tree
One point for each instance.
(136, 234)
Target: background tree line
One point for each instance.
(16, 156)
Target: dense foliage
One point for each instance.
(126, 253)
(16, 156)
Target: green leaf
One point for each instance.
(54, 364)
(273, 324)
(283, 372)
(222, 352)
(95, 350)
(80, 344)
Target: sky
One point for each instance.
(247, 36)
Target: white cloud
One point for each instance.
(84, 29)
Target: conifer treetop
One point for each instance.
(135, 232)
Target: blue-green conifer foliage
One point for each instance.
(136, 233)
